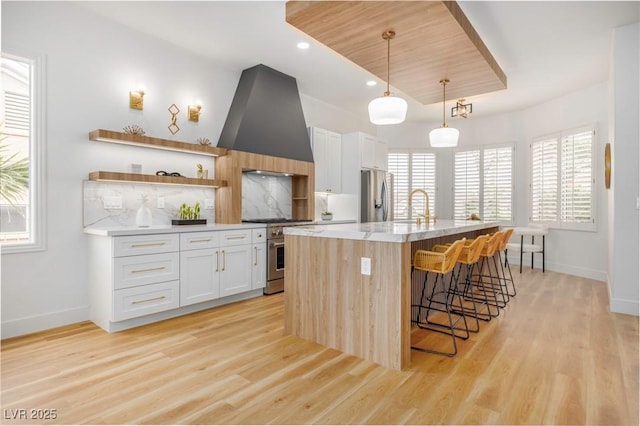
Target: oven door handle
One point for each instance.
(276, 244)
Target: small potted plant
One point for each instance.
(189, 216)
(326, 215)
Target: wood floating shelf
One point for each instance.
(103, 176)
(157, 143)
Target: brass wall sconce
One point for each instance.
(194, 112)
(461, 109)
(173, 127)
(136, 99)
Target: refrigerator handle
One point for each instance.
(385, 200)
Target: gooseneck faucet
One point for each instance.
(426, 215)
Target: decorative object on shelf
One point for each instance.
(189, 216)
(134, 129)
(136, 99)
(607, 165)
(163, 173)
(388, 109)
(194, 112)
(326, 215)
(136, 168)
(173, 127)
(461, 109)
(203, 141)
(474, 217)
(143, 216)
(444, 136)
(201, 173)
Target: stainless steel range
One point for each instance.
(275, 250)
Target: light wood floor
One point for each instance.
(554, 356)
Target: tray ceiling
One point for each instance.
(434, 40)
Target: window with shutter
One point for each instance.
(412, 170)
(466, 185)
(562, 182)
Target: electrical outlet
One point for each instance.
(112, 202)
(208, 204)
(160, 203)
(365, 265)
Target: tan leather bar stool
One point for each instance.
(439, 264)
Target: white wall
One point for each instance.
(623, 250)
(574, 252)
(92, 64)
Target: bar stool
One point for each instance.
(469, 257)
(494, 285)
(534, 230)
(503, 248)
(439, 264)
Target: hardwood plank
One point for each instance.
(234, 365)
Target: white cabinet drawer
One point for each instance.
(198, 240)
(145, 244)
(145, 300)
(235, 237)
(140, 270)
(259, 235)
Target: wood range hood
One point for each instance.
(434, 40)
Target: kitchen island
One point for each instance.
(348, 286)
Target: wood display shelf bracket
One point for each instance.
(103, 176)
(156, 143)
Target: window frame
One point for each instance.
(481, 201)
(559, 137)
(410, 152)
(37, 153)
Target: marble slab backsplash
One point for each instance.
(95, 213)
(265, 197)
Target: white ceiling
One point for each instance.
(546, 48)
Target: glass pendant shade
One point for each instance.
(444, 137)
(387, 110)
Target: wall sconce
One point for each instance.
(193, 112)
(461, 109)
(136, 99)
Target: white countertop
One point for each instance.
(395, 232)
(167, 229)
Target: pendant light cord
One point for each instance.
(444, 82)
(388, 35)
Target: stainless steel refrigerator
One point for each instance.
(376, 196)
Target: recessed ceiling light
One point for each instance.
(303, 45)
(371, 83)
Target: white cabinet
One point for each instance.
(369, 151)
(259, 265)
(327, 158)
(140, 279)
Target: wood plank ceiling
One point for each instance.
(434, 40)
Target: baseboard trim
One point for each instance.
(22, 326)
(624, 306)
(562, 268)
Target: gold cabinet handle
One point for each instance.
(224, 260)
(217, 261)
(138, 271)
(237, 237)
(203, 240)
(146, 245)
(255, 262)
(137, 302)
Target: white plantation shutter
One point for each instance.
(497, 168)
(423, 176)
(576, 178)
(562, 182)
(466, 192)
(544, 180)
(398, 165)
(412, 170)
(16, 107)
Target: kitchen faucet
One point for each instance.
(426, 215)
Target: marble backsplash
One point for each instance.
(265, 196)
(95, 213)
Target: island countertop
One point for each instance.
(402, 231)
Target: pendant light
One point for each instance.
(444, 136)
(387, 109)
